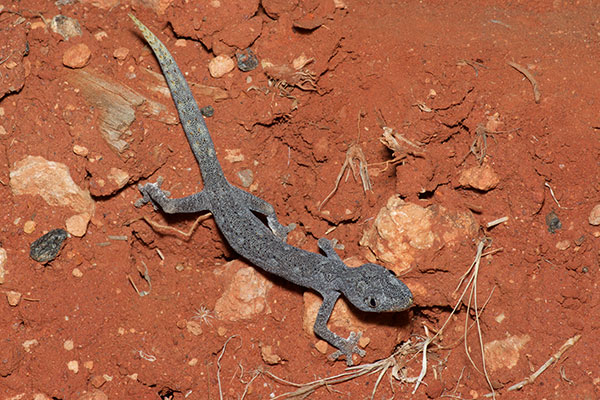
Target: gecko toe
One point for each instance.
(349, 348)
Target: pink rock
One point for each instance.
(402, 230)
(35, 175)
(245, 296)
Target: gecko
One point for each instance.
(370, 287)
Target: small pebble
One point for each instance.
(221, 331)
(182, 323)
(97, 381)
(194, 328)
(220, 65)
(364, 341)
(193, 362)
(29, 226)
(321, 346)
(73, 366)
(207, 111)
(118, 176)
(563, 245)
(77, 273)
(100, 35)
(3, 259)
(68, 345)
(3, 131)
(65, 26)
(594, 218)
(121, 53)
(246, 177)
(77, 56)
(14, 298)
(553, 222)
(28, 344)
(81, 150)
(77, 224)
(47, 247)
(246, 61)
(88, 364)
(482, 178)
(268, 356)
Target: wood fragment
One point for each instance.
(529, 76)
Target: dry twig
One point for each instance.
(555, 357)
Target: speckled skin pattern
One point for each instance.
(369, 287)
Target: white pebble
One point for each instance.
(220, 65)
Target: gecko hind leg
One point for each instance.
(263, 207)
(328, 247)
(152, 193)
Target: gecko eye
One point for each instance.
(371, 302)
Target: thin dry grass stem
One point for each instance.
(305, 389)
(471, 274)
(554, 197)
(424, 361)
(553, 359)
(354, 155)
(473, 297)
(219, 366)
(256, 375)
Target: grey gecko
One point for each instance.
(369, 287)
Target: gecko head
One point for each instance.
(373, 288)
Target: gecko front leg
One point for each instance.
(345, 347)
(152, 193)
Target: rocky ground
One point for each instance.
(457, 144)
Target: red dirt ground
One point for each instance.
(433, 71)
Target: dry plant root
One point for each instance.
(479, 146)
(166, 228)
(354, 155)
(536, 91)
(400, 146)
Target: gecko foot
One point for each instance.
(149, 192)
(350, 347)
